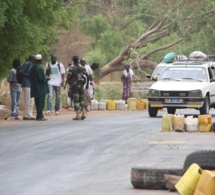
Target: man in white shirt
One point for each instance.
(55, 71)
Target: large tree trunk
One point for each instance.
(156, 31)
(118, 65)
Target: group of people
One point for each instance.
(37, 83)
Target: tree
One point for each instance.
(31, 27)
(160, 25)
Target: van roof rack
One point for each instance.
(188, 62)
(210, 58)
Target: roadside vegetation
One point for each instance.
(109, 32)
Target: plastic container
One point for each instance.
(146, 102)
(140, 105)
(188, 182)
(167, 122)
(205, 119)
(120, 104)
(191, 124)
(111, 104)
(178, 123)
(102, 105)
(191, 128)
(132, 104)
(205, 122)
(205, 128)
(94, 105)
(206, 184)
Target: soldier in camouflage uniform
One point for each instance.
(77, 78)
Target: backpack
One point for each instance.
(19, 75)
(48, 69)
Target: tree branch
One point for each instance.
(152, 31)
(162, 48)
(162, 35)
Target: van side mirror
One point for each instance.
(148, 76)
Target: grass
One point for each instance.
(112, 90)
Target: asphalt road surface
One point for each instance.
(91, 157)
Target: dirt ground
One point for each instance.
(6, 113)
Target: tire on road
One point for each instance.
(204, 158)
(152, 178)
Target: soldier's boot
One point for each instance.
(83, 115)
(77, 117)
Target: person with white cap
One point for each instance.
(39, 87)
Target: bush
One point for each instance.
(108, 91)
(113, 90)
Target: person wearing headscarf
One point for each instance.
(126, 78)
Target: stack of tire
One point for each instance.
(153, 177)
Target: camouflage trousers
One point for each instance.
(78, 97)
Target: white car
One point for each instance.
(183, 84)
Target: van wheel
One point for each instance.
(152, 178)
(206, 106)
(152, 111)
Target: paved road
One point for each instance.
(91, 157)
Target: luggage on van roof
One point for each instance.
(168, 58)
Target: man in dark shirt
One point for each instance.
(26, 87)
(39, 87)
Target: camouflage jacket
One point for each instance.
(77, 75)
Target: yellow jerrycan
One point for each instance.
(111, 104)
(206, 184)
(188, 182)
(205, 123)
(132, 104)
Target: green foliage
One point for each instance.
(30, 27)
(129, 19)
(99, 57)
(111, 43)
(95, 26)
(108, 91)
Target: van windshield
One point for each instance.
(184, 73)
(158, 71)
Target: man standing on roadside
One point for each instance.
(26, 87)
(76, 78)
(39, 87)
(55, 71)
(87, 99)
(15, 90)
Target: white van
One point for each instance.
(158, 70)
(161, 66)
